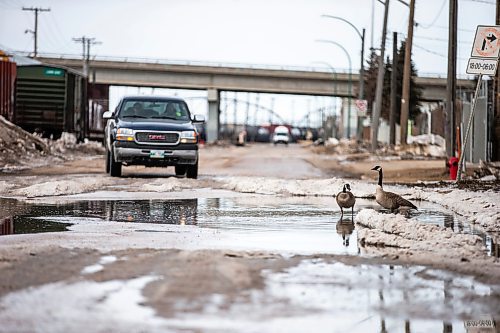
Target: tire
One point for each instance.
(180, 170)
(115, 168)
(108, 161)
(192, 171)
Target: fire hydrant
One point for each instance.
(453, 165)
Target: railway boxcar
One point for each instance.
(7, 86)
(51, 100)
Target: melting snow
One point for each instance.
(397, 231)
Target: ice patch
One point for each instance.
(99, 266)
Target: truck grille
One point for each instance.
(157, 137)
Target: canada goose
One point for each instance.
(346, 199)
(389, 200)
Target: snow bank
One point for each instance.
(62, 187)
(68, 144)
(427, 139)
(4, 186)
(397, 231)
(306, 187)
(169, 185)
(479, 207)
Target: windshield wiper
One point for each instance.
(134, 116)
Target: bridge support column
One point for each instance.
(213, 115)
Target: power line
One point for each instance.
(434, 52)
(482, 1)
(440, 39)
(427, 26)
(35, 31)
(62, 40)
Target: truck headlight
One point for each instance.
(125, 134)
(188, 137)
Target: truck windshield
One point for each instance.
(175, 110)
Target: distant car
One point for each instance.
(263, 135)
(154, 132)
(281, 135)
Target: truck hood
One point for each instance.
(155, 125)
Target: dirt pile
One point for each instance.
(488, 171)
(418, 147)
(22, 150)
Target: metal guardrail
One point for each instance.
(164, 61)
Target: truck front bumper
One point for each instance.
(154, 157)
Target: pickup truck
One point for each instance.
(154, 132)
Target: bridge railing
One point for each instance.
(186, 62)
(164, 61)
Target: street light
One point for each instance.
(350, 83)
(361, 93)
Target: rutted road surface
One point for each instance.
(196, 256)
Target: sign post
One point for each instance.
(483, 61)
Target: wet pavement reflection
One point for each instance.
(323, 295)
(308, 222)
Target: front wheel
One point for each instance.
(115, 168)
(180, 170)
(192, 171)
(108, 161)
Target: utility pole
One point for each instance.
(496, 101)
(451, 80)
(86, 42)
(380, 82)
(405, 99)
(394, 77)
(35, 31)
(373, 24)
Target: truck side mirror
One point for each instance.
(107, 115)
(198, 118)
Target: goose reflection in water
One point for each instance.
(345, 228)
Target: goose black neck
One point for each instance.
(380, 176)
(344, 189)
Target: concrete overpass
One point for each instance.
(218, 78)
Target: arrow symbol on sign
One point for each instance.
(491, 38)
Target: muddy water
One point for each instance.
(288, 224)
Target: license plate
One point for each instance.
(157, 154)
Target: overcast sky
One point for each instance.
(268, 32)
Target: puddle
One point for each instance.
(318, 294)
(305, 224)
